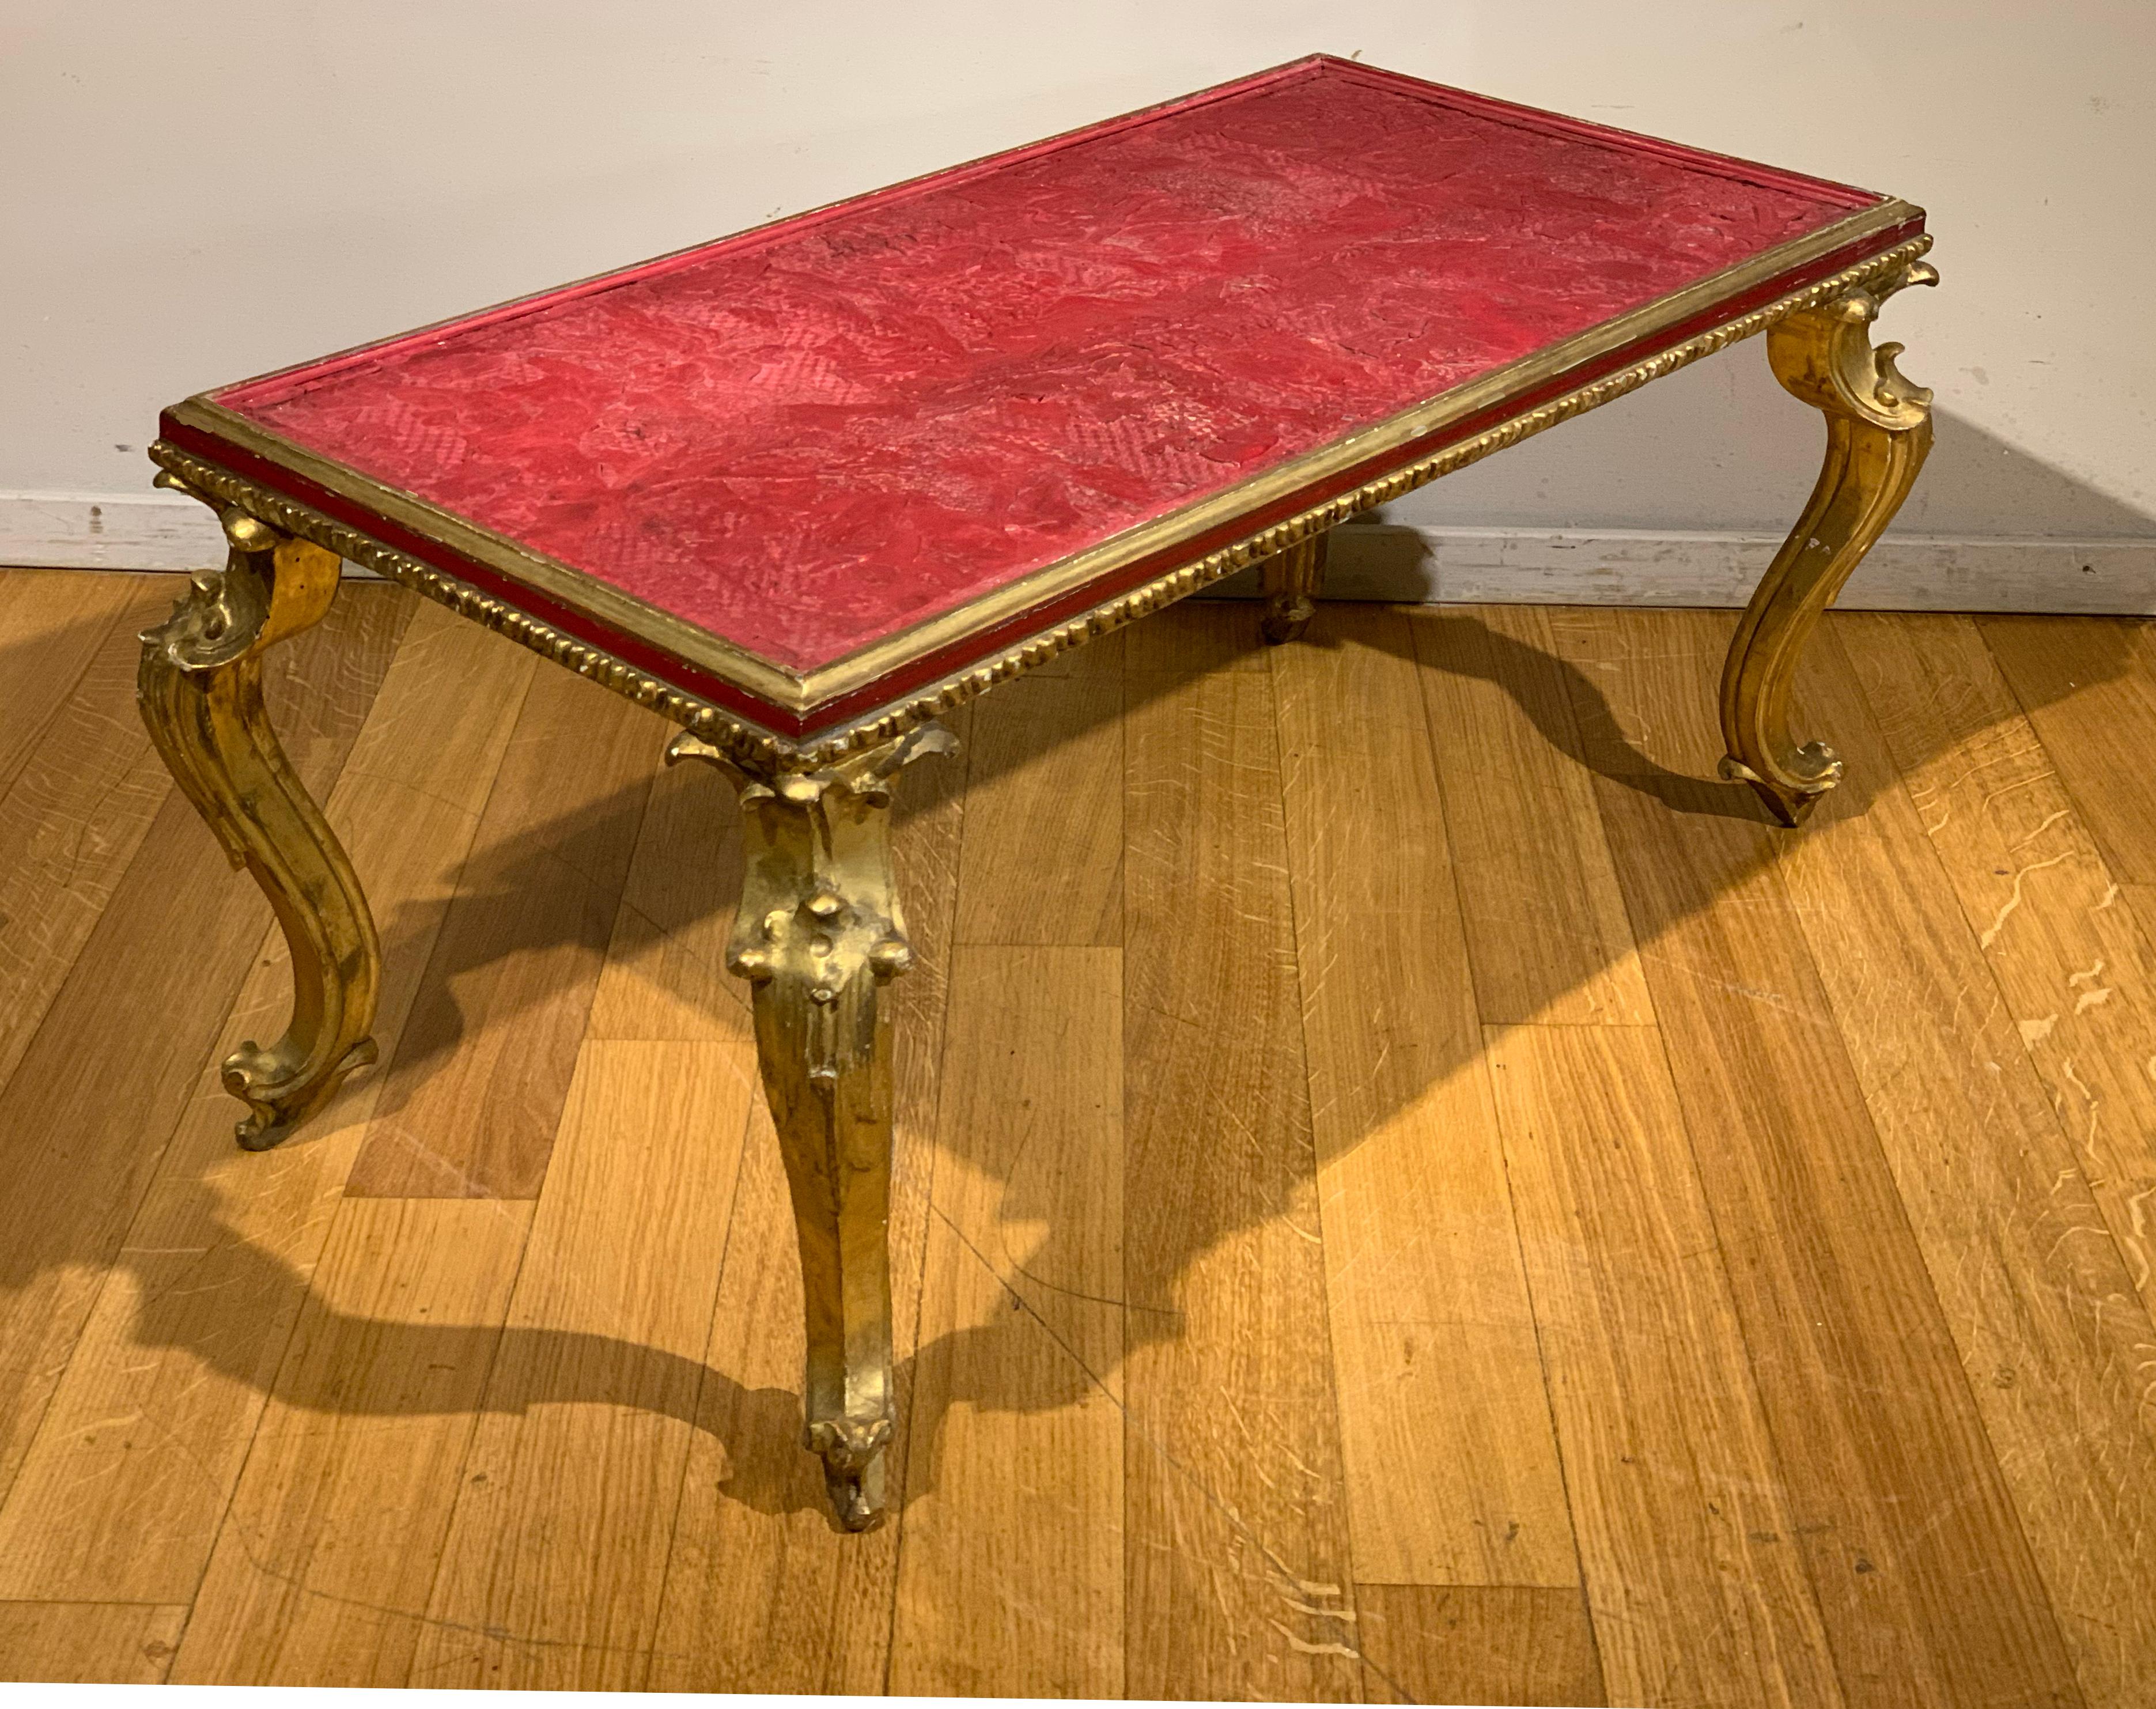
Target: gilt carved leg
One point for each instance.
(1293, 581)
(200, 690)
(1878, 429)
(818, 936)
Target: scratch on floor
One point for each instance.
(237, 1530)
(1322, 1613)
(2091, 992)
(2135, 1245)
(2049, 820)
(2088, 1096)
(1305, 1648)
(1274, 1567)
(2014, 900)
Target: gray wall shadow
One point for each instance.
(1719, 446)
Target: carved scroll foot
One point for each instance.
(1879, 428)
(817, 937)
(200, 691)
(1293, 581)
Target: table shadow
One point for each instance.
(768, 1473)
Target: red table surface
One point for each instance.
(811, 436)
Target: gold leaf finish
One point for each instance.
(803, 692)
(819, 931)
(1879, 429)
(818, 936)
(755, 747)
(200, 690)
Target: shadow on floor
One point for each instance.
(573, 1367)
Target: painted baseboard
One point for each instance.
(1639, 566)
(133, 532)
(1369, 561)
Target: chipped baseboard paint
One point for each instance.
(1369, 561)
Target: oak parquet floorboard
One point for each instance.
(552, 1571)
(322, 1564)
(755, 1568)
(1687, 1536)
(1011, 1566)
(2141, 899)
(2078, 971)
(1239, 1581)
(2009, 1214)
(91, 1104)
(470, 1107)
(1452, 1468)
(665, 975)
(1926, 1583)
(1195, 636)
(53, 623)
(88, 1643)
(1547, 933)
(1047, 773)
(1012, 1584)
(73, 813)
(2088, 686)
(1510, 1644)
(1787, 1459)
(125, 1485)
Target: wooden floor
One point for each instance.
(1406, 1189)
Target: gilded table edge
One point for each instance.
(760, 749)
(799, 695)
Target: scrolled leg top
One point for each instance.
(199, 689)
(1879, 430)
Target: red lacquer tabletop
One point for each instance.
(811, 437)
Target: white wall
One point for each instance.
(191, 194)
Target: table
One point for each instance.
(802, 488)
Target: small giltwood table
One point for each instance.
(802, 488)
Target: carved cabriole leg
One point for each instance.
(817, 936)
(1293, 579)
(200, 690)
(1879, 428)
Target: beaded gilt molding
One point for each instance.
(759, 750)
